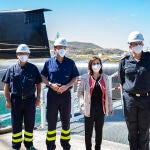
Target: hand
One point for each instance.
(62, 89)
(81, 111)
(111, 112)
(8, 104)
(37, 103)
(55, 86)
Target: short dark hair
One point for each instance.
(90, 65)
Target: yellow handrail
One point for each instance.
(102, 57)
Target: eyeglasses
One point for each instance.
(136, 43)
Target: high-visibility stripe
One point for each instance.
(65, 137)
(28, 139)
(65, 131)
(17, 134)
(51, 132)
(17, 140)
(51, 139)
(28, 133)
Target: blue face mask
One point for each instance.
(137, 49)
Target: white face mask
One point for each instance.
(137, 49)
(61, 52)
(23, 58)
(96, 68)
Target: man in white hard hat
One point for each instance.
(21, 81)
(59, 74)
(134, 74)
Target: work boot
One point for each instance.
(31, 148)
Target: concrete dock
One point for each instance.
(77, 142)
(114, 134)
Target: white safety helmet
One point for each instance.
(60, 42)
(23, 48)
(135, 37)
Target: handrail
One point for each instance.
(4, 49)
(117, 87)
(74, 117)
(1, 70)
(4, 117)
(18, 44)
(106, 57)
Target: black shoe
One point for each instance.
(31, 148)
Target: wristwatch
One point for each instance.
(50, 84)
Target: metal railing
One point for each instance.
(74, 105)
(75, 110)
(6, 116)
(116, 87)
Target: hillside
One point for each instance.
(83, 48)
(82, 45)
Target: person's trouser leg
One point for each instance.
(65, 113)
(144, 122)
(89, 122)
(29, 121)
(131, 117)
(16, 119)
(99, 122)
(52, 113)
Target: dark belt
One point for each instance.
(23, 97)
(139, 95)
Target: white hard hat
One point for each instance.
(135, 36)
(60, 42)
(23, 48)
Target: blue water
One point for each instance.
(4, 110)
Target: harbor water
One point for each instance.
(5, 110)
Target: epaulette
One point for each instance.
(125, 56)
(147, 52)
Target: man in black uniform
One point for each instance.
(134, 74)
(21, 80)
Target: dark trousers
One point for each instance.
(22, 110)
(137, 116)
(58, 103)
(96, 119)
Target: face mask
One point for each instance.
(23, 58)
(96, 68)
(61, 52)
(137, 49)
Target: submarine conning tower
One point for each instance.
(23, 26)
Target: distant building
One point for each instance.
(23, 26)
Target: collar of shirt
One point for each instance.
(24, 66)
(64, 59)
(131, 58)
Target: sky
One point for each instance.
(106, 23)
